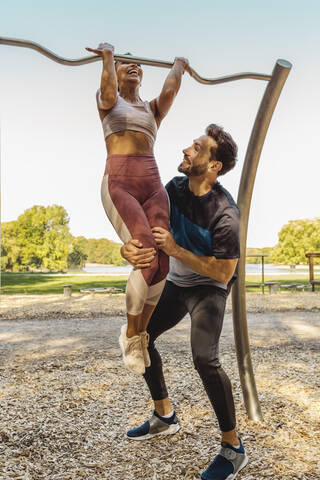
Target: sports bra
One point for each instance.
(125, 116)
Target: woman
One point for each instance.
(132, 194)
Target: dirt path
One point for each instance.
(66, 400)
(88, 305)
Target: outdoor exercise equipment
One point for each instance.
(268, 103)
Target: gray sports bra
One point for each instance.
(125, 116)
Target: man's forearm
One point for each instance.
(219, 270)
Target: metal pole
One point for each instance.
(259, 131)
(311, 276)
(15, 42)
(262, 260)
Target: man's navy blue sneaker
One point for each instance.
(155, 426)
(227, 464)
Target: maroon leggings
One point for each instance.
(135, 201)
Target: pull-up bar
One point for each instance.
(127, 59)
(268, 103)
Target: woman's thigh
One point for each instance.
(125, 213)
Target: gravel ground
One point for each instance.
(66, 400)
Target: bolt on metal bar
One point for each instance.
(128, 59)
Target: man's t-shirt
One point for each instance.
(207, 226)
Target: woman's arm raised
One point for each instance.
(161, 105)
(108, 92)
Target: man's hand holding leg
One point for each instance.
(136, 255)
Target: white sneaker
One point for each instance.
(132, 353)
(145, 343)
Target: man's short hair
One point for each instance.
(226, 150)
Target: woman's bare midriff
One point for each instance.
(129, 142)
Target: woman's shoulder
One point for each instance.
(103, 112)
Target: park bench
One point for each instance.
(294, 286)
(93, 291)
(312, 280)
(273, 286)
(67, 290)
(314, 283)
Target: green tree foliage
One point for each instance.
(104, 251)
(78, 256)
(38, 239)
(10, 252)
(94, 250)
(296, 239)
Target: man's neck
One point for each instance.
(200, 186)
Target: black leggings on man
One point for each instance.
(206, 306)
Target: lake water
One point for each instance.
(107, 269)
(251, 269)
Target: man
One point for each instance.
(204, 249)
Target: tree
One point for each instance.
(104, 251)
(296, 239)
(10, 252)
(78, 256)
(38, 239)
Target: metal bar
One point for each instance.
(128, 59)
(262, 260)
(259, 131)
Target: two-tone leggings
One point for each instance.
(135, 201)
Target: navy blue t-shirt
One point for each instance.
(207, 226)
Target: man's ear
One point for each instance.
(215, 166)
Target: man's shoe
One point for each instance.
(132, 353)
(155, 426)
(227, 464)
(145, 343)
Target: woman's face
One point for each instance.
(128, 72)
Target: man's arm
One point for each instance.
(218, 269)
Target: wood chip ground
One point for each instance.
(66, 400)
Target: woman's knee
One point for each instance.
(151, 272)
(163, 268)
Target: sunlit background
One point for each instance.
(52, 146)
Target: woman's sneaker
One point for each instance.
(132, 352)
(145, 343)
(155, 426)
(227, 464)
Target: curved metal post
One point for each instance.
(259, 131)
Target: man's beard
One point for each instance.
(193, 171)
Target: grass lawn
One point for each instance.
(35, 283)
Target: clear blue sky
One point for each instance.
(52, 147)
